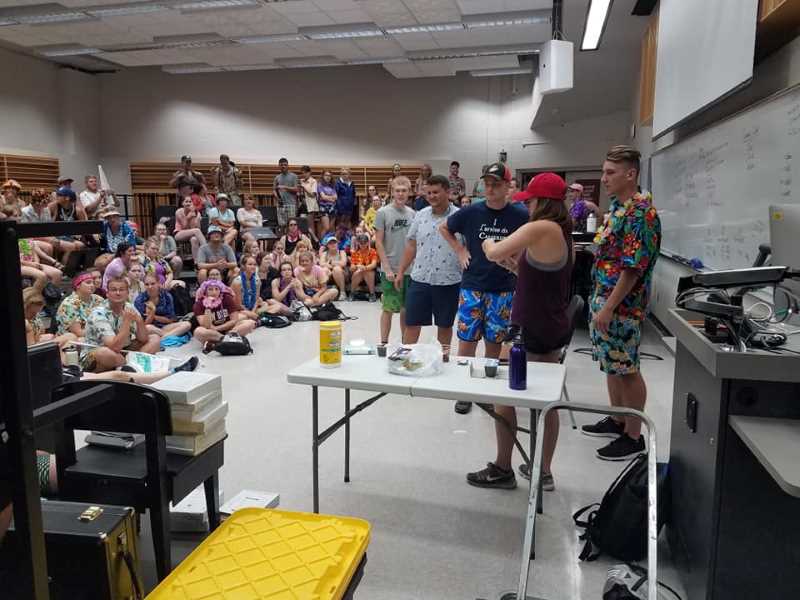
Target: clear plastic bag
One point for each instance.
(422, 360)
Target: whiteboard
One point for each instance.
(705, 52)
(713, 189)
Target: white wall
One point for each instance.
(49, 111)
(777, 72)
(361, 115)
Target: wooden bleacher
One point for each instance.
(30, 171)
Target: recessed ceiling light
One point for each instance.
(430, 28)
(53, 17)
(121, 10)
(266, 39)
(355, 30)
(193, 5)
(595, 25)
(189, 68)
(67, 51)
(508, 19)
(499, 72)
(378, 61)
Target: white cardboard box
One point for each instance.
(189, 515)
(250, 499)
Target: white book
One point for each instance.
(189, 412)
(192, 445)
(185, 387)
(201, 423)
(250, 499)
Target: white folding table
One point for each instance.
(371, 373)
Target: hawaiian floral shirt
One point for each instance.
(74, 309)
(630, 238)
(104, 322)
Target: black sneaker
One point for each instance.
(622, 448)
(463, 407)
(493, 477)
(548, 483)
(208, 346)
(189, 365)
(607, 427)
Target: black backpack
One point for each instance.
(329, 312)
(273, 321)
(618, 526)
(233, 344)
(181, 300)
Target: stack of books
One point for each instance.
(198, 411)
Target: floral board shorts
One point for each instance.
(618, 350)
(484, 315)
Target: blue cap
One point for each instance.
(65, 191)
(329, 238)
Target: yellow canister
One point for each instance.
(330, 343)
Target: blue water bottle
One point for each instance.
(518, 364)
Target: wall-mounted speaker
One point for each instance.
(556, 67)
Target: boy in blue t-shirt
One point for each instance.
(487, 289)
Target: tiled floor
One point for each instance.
(434, 537)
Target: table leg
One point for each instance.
(534, 433)
(315, 444)
(347, 435)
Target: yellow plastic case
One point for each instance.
(270, 554)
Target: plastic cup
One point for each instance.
(381, 348)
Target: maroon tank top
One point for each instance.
(541, 299)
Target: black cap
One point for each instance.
(499, 171)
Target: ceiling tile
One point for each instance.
(296, 6)
(349, 16)
(407, 70)
(310, 19)
(473, 7)
(485, 62)
(533, 34)
(380, 48)
(328, 5)
(416, 41)
(434, 11)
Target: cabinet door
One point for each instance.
(694, 457)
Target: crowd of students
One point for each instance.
(481, 263)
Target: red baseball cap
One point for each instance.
(499, 171)
(544, 185)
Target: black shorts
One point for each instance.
(5, 475)
(534, 345)
(423, 300)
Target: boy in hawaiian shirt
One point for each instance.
(627, 246)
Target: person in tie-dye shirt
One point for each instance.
(627, 246)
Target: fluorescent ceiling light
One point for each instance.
(121, 10)
(4, 22)
(498, 72)
(55, 17)
(311, 65)
(595, 25)
(508, 19)
(378, 61)
(430, 28)
(67, 51)
(446, 53)
(356, 30)
(253, 67)
(266, 39)
(191, 68)
(196, 5)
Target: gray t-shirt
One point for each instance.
(436, 262)
(288, 179)
(168, 245)
(395, 224)
(208, 254)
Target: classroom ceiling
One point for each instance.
(410, 38)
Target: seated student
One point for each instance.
(277, 256)
(334, 262)
(250, 248)
(215, 274)
(168, 248)
(31, 265)
(33, 303)
(187, 226)
(247, 291)
(292, 238)
(217, 314)
(115, 326)
(363, 264)
(315, 281)
(214, 253)
(115, 232)
(249, 217)
(286, 288)
(154, 263)
(37, 212)
(301, 248)
(97, 277)
(119, 266)
(541, 298)
(267, 271)
(155, 304)
(135, 278)
(223, 217)
(74, 310)
(66, 209)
